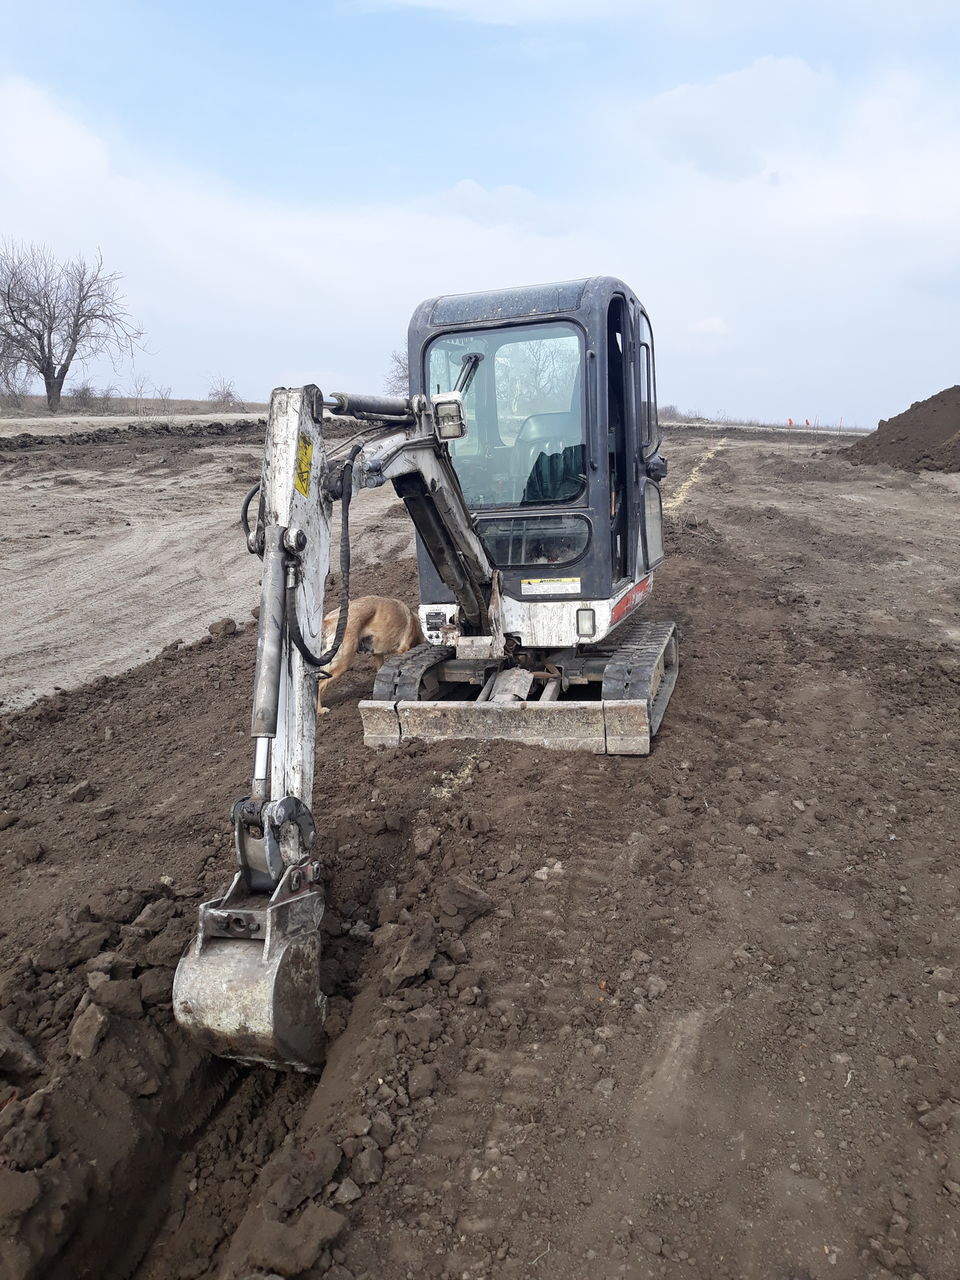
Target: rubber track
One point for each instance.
(630, 672)
(400, 677)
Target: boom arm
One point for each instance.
(419, 465)
(298, 487)
(248, 986)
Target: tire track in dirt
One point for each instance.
(678, 498)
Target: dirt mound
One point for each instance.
(252, 427)
(925, 437)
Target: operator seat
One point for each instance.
(549, 458)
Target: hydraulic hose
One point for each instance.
(293, 623)
(244, 511)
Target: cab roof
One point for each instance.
(455, 310)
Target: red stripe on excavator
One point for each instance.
(634, 596)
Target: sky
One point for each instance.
(280, 184)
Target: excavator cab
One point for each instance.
(560, 464)
(560, 470)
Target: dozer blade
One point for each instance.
(615, 728)
(565, 726)
(638, 680)
(248, 988)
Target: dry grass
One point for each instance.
(108, 401)
(684, 530)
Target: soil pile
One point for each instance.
(925, 437)
(136, 431)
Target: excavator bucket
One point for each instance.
(248, 988)
(636, 680)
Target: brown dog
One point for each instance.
(378, 625)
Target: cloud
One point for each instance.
(735, 125)
(809, 225)
(714, 326)
(691, 15)
(806, 213)
(28, 116)
(266, 292)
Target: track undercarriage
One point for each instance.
(605, 699)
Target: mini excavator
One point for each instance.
(528, 458)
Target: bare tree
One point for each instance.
(107, 398)
(163, 398)
(138, 393)
(14, 378)
(52, 313)
(85, 398)
(223, 398)
(397, 381)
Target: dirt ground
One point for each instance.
(115, 546)
(693, 1015)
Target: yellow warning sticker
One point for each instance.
(304, 463)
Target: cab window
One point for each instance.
(525, 422)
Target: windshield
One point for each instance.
(524, 444)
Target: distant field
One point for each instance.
(122, 406)
(720, 426)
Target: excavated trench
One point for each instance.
(119, 795)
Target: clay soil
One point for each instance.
(694, 1015)
(925, 437)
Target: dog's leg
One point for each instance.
(337, 668)
(321, 690)
(340, 665)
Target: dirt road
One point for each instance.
(694, 1015)
(110, 551)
